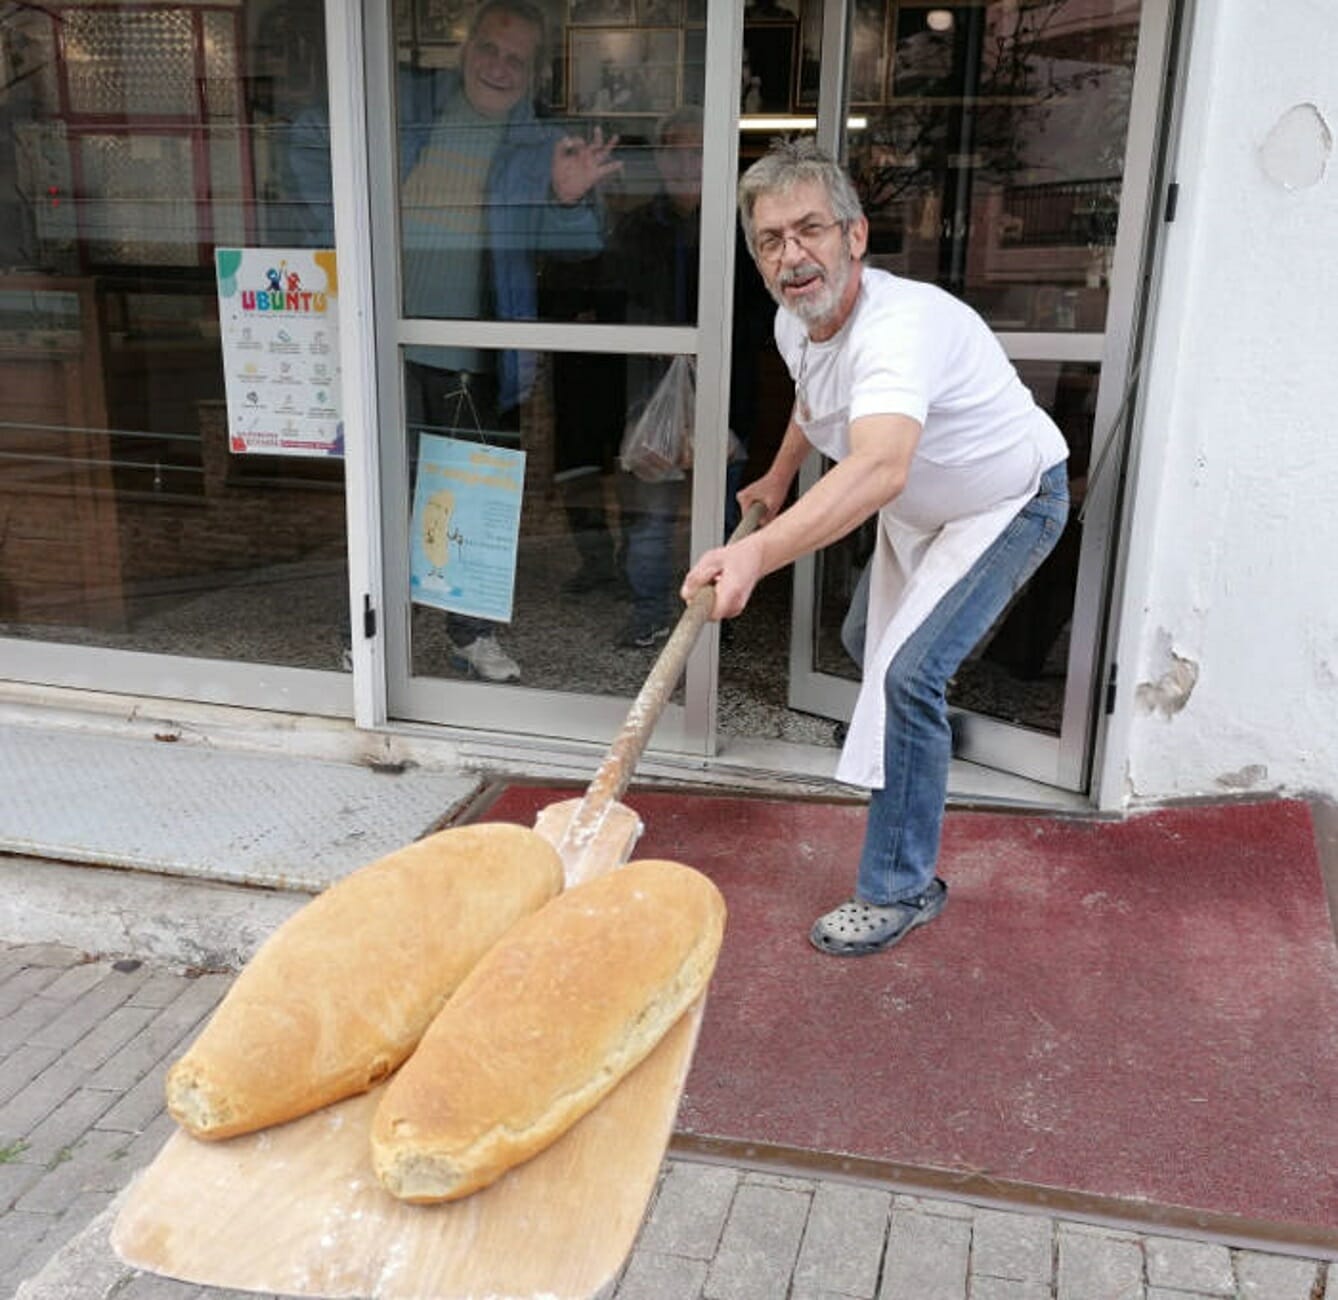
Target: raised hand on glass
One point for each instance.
(579, 165)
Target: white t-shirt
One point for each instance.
(911, 349)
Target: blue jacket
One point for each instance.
(524, 219)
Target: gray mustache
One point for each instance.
(801, 272)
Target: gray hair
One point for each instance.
(796, 162)
(687, 118)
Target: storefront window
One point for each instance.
(136, 142)
(992, 150)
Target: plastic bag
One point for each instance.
(657, 445)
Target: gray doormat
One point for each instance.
(256, 819)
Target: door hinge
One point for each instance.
(1110, 689)
(368, 618)
(1172, 199)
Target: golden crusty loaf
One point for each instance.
(565, 1005)
(341, 993)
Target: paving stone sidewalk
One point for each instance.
(84, 1045)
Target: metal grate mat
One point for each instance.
(255, 819)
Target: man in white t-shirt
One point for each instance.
(906, 388)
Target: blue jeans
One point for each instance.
(650, 516)
(901, 837)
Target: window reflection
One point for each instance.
(987, 141)
(992, 163)
(134, 140)
(485, 187)
(608, 437)
(567, 191)
(525, 134)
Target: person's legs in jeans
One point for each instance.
(651, 512)
(901, 839)
(906, 816)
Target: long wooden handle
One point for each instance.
(615, 772)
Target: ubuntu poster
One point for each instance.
(278, 311)
(465, 528)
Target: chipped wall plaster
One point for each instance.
(1296, 151)
(1174, 684)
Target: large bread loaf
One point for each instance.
(544, 1026)
(341, 993)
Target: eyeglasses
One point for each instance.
(771, 244)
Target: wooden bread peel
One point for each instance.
(296, 1209)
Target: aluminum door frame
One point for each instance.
(517, 710)
(1064, 760)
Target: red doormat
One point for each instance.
(1144, 1010)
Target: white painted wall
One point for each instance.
(1228, 631)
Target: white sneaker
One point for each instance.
(484, 657)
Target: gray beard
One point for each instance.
(819, 308)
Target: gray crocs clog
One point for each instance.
(856, 929)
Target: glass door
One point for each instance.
(1004, 151)
(548, 320)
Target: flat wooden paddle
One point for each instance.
(296, 1209)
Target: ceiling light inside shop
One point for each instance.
(778, 123)
(939, 20)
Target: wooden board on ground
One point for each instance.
(297, 1210)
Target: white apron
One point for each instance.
(915, 564)
(912, 570)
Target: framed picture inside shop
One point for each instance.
(868, 53)
(429, 33)
(869, 57)
(623, 73)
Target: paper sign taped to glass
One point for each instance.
(465, 531)
(278, 311)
